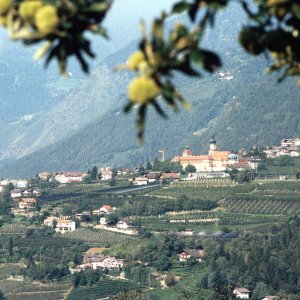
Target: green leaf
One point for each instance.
(180, 7)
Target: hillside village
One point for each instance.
(192, 203)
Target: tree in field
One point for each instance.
(2, 297)
(10, 247)
(94, 173)
(190, 169)
(273, 29)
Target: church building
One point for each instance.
(215, 161)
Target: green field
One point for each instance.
(95, 236)
(23, 290)
(106, 288)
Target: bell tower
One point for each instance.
(212, 146)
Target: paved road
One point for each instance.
(115, 190)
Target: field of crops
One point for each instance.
(11, 229)
(208, 221)
(106, 288)
(8, 269)
(102, 237)
(271, 206)
(22, 290)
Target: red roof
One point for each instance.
(72, 174)
(170, 175)
(107, 207)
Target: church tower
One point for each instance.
(212, 146)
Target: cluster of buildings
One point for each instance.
(289, 147)
(153, 177)
(18, 193)
(243, 293)
(95, 260)
(215, 162)
(60, 224)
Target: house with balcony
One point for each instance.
(64, 226)
(241, 293)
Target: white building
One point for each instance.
(106, 209)
(17, 193)
(69, 177)
(21, 183)
(241, 293)
(27, 203)
(140, 181)
(124, 225)
(64, 226)
(50, 221)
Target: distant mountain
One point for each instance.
(38, 108)
(239, 105)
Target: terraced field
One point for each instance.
(106, 288)
(22, 290)
(97, 236)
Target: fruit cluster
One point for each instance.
(61, 23)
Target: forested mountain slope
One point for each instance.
(250, 108)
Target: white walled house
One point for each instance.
(64, 226)
(124, 225)
(69, 177)
(50, 221)
(17, 193)
(21, 183)
(140, 181)
(27, 203)
(106, 174)
(241, 293)
(106, 209)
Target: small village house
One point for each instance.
(270, 298)
(27, 203)
(69, 177)
(140, 181)
(64, 226)
(153, 177)
(186, 254)
(44, 176)
(93, 255)
(16, 193)
(170, 177)
(124, 225)
(241, 293)
(103, 221)
(21, 183)
(51, 221)
(106, 209)
(106, 174)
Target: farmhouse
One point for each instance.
(44, 176)
(17, 193)
(108, 262)
(69, 177)
(50, 221)
(153, 176)
(140, 181)
(189, 253)
(106, 209)
(169, 177)
(241, 293)
(124, 225)
(21, 183)
(106, 174)
(64, 226)
(93, 255)
(27, 203)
